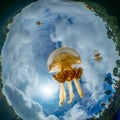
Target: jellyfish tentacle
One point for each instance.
(78, 87)
(62, 94)
(71, 94)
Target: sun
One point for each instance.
(47, 91)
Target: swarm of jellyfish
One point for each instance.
(64, 64)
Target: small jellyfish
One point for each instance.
(64, 64)
(90, 7)
(97, 56)
(38, 23)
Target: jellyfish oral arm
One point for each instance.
(71, 94)
(78, 87)
(62, 94)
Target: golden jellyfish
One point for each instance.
(97, 56)
(64, 63)
(38, 23)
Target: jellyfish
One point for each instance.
(97, 56)
(38, 23)
(64, 65)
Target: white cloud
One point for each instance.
(76, 114)
(24, 107)
(27, 47)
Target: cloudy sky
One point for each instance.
(28, 86)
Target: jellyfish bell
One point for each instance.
(62, 63)
(63, 58)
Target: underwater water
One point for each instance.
(29, 87)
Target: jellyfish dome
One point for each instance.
(63, 58)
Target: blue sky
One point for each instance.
(28, 86)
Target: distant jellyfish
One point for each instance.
(90, 7)
(38, 23)
(64, 64)
(97, 56)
